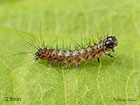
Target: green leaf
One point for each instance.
(113, 81)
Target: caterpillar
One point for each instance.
(69, 57)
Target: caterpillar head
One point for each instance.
(110, 42)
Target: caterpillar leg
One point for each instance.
(59, 65)
(68, 65)
(36, 58)
(78, 60)
(110, 55)
(98, 59)
(78, 66)
(113, 50)
(51, 64)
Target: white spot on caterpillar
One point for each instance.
(109, 38)
(61, 53)
(83, 51)
(75, 53)
(68, 53)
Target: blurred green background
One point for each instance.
(107, 83)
